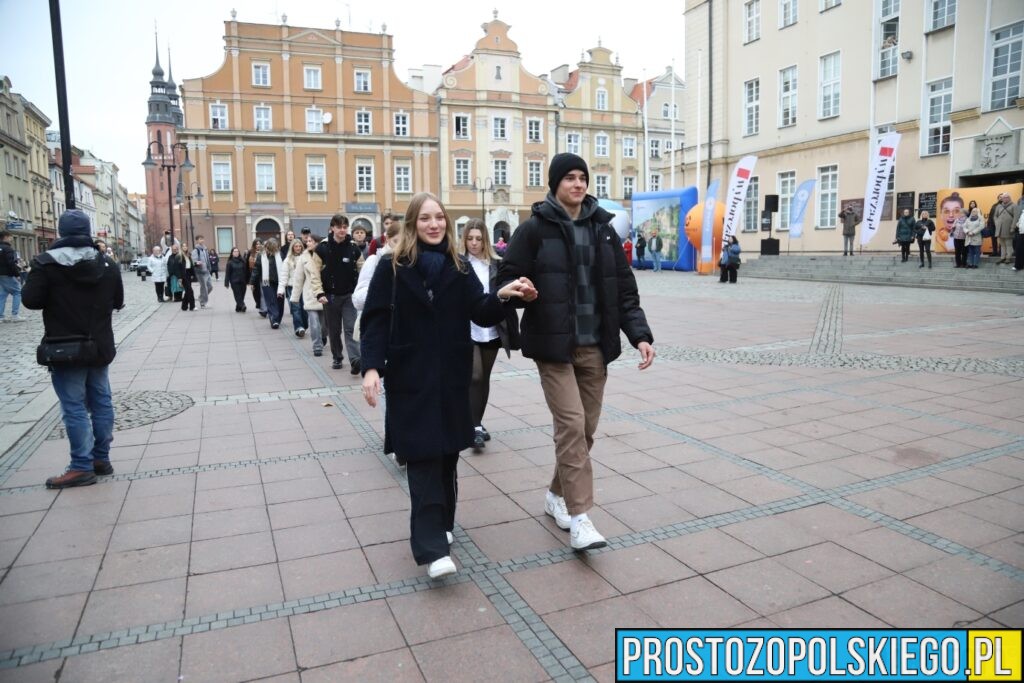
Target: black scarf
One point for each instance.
(430, 261)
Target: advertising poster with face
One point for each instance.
(952, 200)
(663, 213)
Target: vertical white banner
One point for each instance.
(737, 194)
(878, 182)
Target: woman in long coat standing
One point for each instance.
(415, 333)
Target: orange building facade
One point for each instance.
(299, 124)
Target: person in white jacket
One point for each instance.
(286, 285)
(157, 265)
(308, 292)
(366, 274)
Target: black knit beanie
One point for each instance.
(561, 164)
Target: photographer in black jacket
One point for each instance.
(342, 260)
(77, 289)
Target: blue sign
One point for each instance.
(798, 206)
(361, 207)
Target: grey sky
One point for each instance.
(108, 48)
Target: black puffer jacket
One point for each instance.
(77, 299)
(341, 265)
(541, 249)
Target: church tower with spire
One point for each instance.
(164, 120)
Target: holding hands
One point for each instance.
(521, 288)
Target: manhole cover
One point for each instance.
(138, 408)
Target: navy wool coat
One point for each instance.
(424, 352)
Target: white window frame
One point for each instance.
(403, 177)
(828, 4)
(268, 123)
(316, 181)
(628, 186)
(573, 143)
(262, 163)
(365, 181)
(400, 123)
(941, 13)
(654, 148)
(602, 142)
(312, 77)
(829, 85)
(938, 107)
(654, 180)
(499, 172)
(629, 147)
(263, 67)
(827, 196)
(601, 180)
(888, 55)
(466, 172)
(752, 107)
(220, 172)
(601, 99)
(467, 129)
(362, 77)
(314, 120)
(502, 123)
(751, 205)
(228, 230)
(1015, 34)
(787, 13)
(751, 21)
(534, 130)
(534, 173)
(364, 122)
(221, 115)
(790, 96)
(788, 177)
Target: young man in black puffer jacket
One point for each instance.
(586, 294)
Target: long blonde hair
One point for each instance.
(477, 224)
(292, 257)
(408, 245)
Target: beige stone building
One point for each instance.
(15, 178)
(498, 131)
(43, 217)
(602, 123)
(809, 85)
(301, 123)
(661, 100)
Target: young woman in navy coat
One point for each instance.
(415, 334)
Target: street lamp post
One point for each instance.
(42, 242)
(197, 194)
(186, 166)
(483, 189)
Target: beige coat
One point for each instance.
(306, 283)
(1005, 218)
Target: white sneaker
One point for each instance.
(585, 536)
(17, 319)
(451, 539)
(442, 567)
(554, 506)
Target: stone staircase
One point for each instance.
(887, 270)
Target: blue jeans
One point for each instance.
(656, 259)
(973, 254)
(9, 284)
(272, 303)
(88, 412)
(299, 317)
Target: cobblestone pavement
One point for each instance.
(802, 454)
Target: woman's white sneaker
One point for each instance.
(554, 506)
(442, 567)
(585, 537)
(451, 538)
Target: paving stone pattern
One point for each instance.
(138, 408)
(789, 463)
